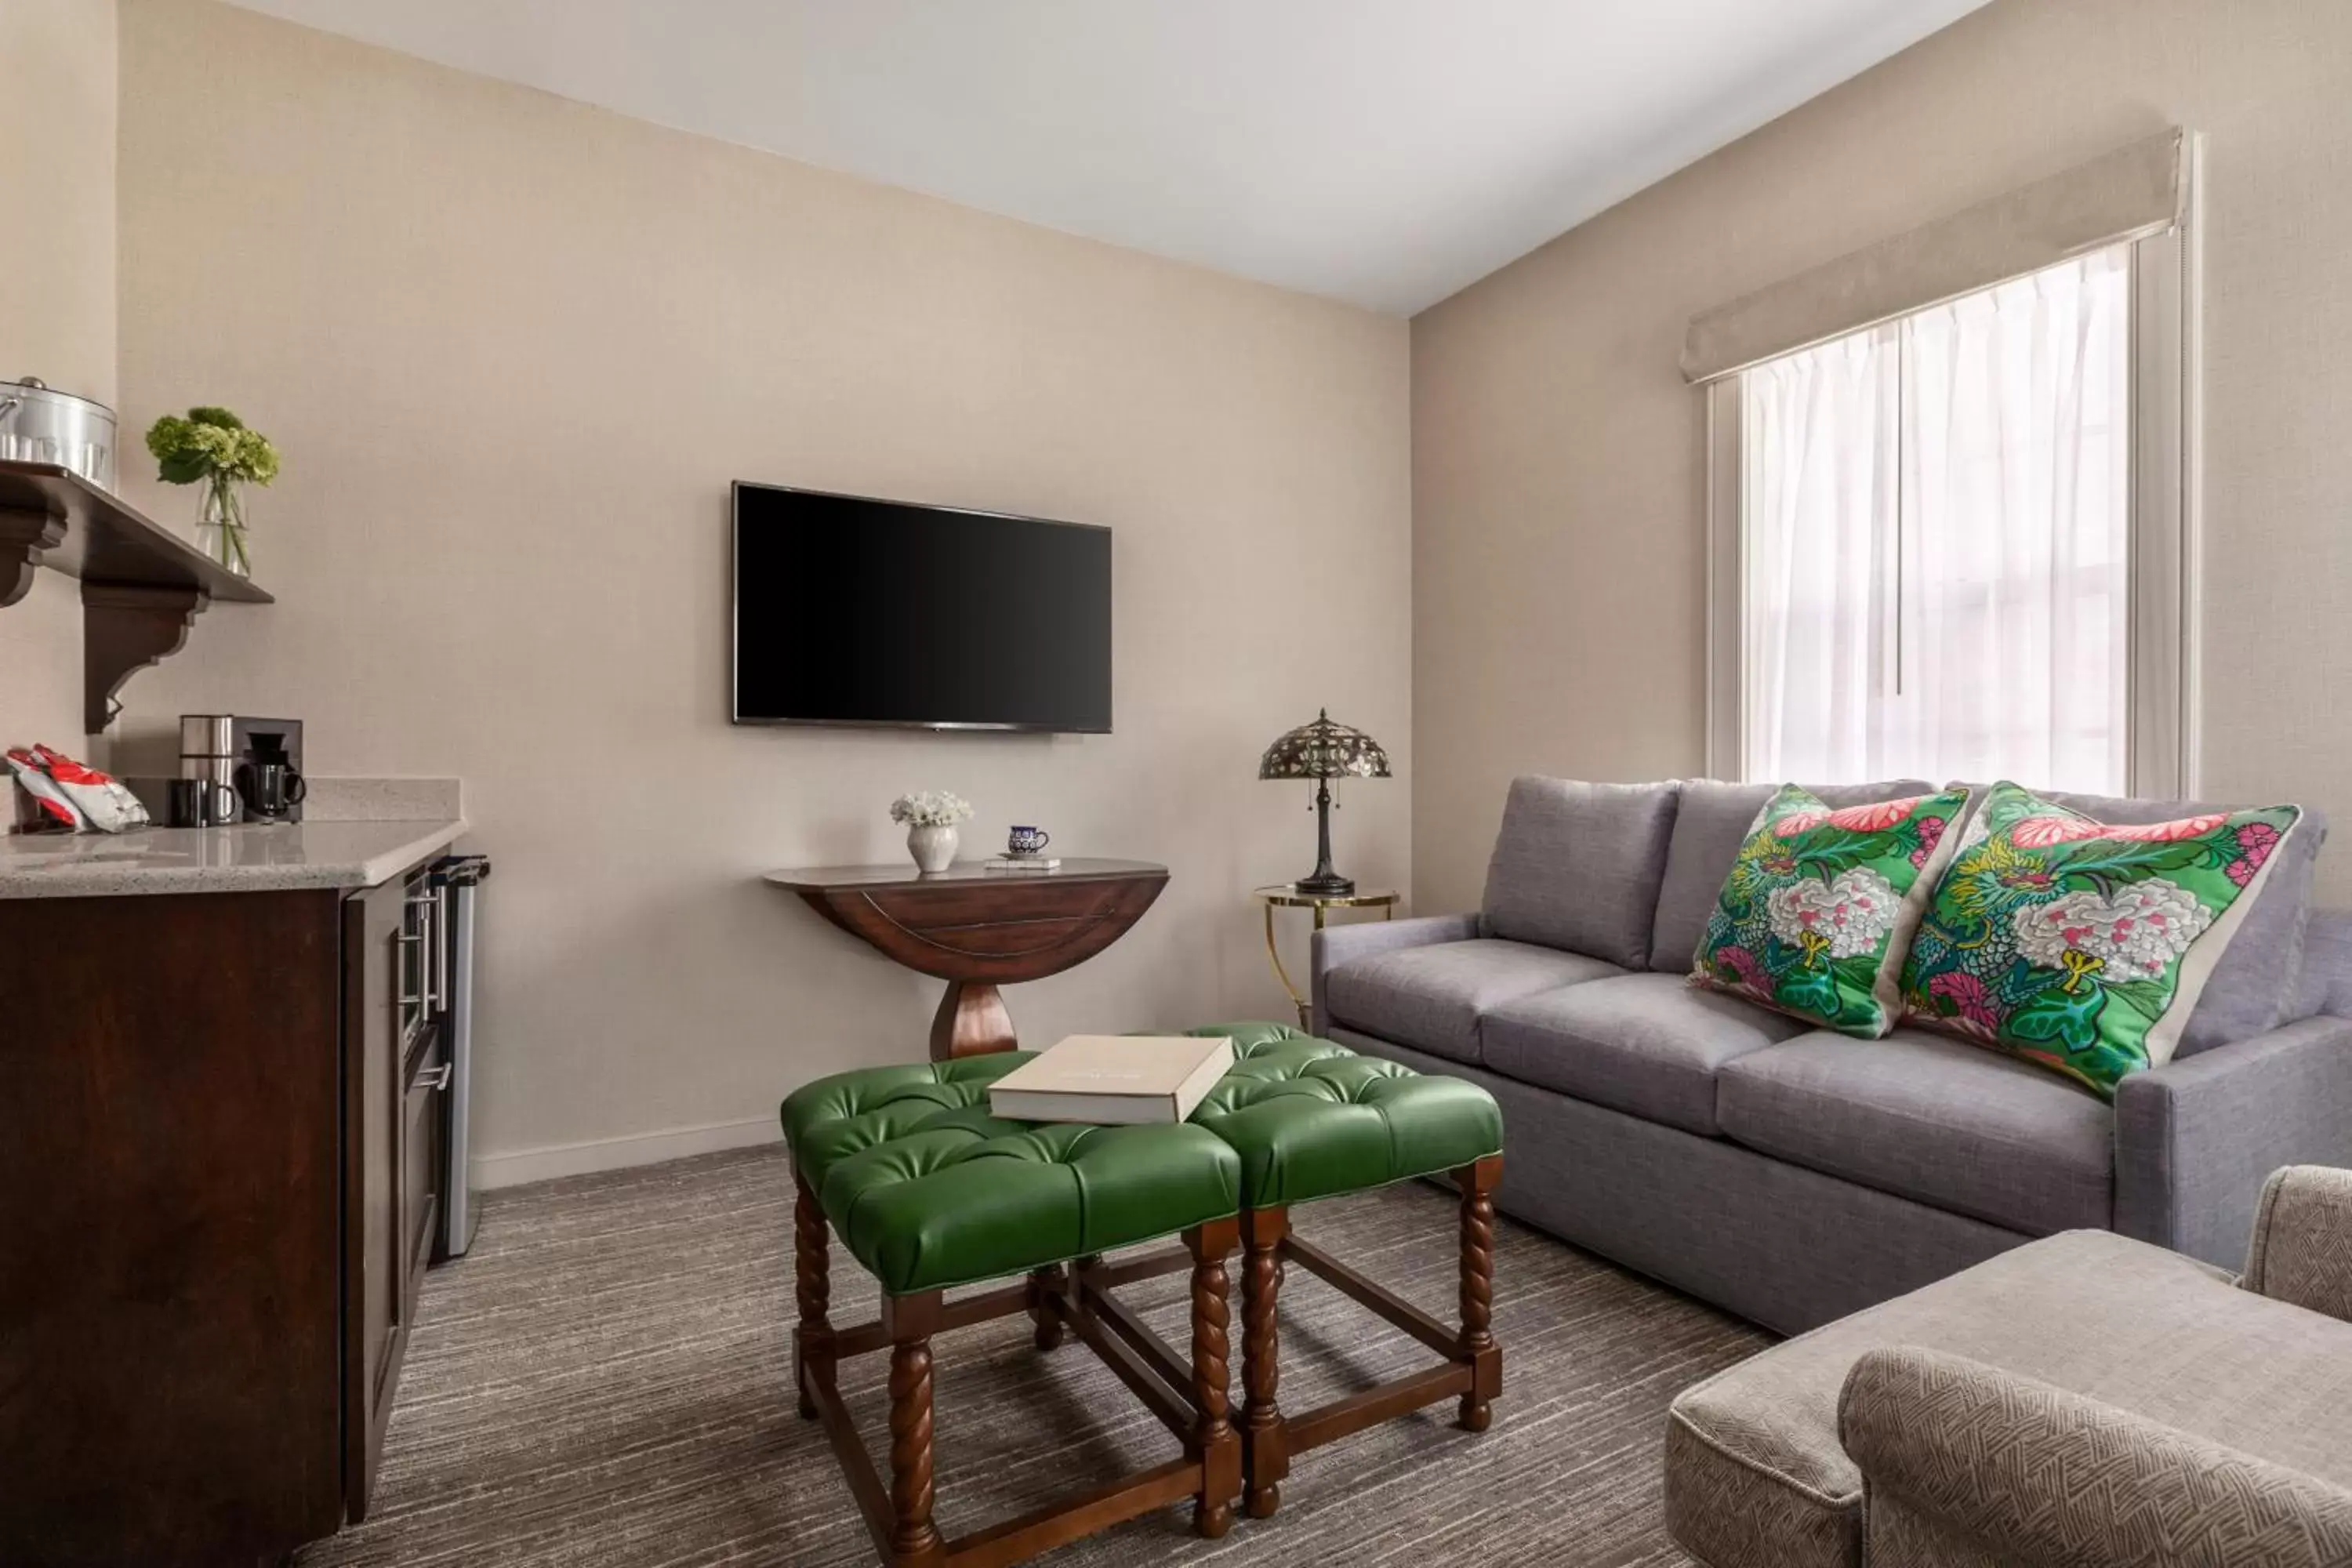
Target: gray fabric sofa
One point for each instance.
(1795, 1175)
(2083, 1399)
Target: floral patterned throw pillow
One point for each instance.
(1820, 904)
(2081, 945)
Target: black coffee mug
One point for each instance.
(271, 789)
(201, 803)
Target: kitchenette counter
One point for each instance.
(252, 857)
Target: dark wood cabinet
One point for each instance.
(219, 1170)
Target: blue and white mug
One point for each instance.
(1027, 840)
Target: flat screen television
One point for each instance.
(850, 610)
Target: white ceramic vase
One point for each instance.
(933, 847)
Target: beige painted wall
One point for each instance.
(57, 300)
(514, 349)
(1559, 580)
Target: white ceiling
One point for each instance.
(1383, 152)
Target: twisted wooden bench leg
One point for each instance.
(1050, 1280)
(1213, 1435)
(1477, 1345)
(914, 1540)
(1263, 1432)
(813, 1284)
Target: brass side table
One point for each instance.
(1287, 896)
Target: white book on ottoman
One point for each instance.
(1118, 1079)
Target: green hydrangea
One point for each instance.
(211, 443)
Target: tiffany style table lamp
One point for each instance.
(1324, 751)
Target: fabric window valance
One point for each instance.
(2129, 193)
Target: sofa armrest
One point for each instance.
(1965, 1463)
(1336, 945)
(2197, 1138)
(2302, 1250)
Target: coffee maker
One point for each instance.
(268, 774)
(235, 769)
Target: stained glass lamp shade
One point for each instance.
(1324, 751)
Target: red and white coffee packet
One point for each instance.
(73, 793)
(52, 807)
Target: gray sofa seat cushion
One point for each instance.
(1433, 997)
(1577, 866)
(1648, 1045)
(1935, 1119)
(2255, 987)
(1711, 822)
(1756, 1475)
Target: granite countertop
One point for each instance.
(253, 857)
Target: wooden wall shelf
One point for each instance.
(143, 585)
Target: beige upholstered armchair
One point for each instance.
(1965, 1465)
(2084, 1400)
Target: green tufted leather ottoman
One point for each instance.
(929, 1191)
(1313, 1120)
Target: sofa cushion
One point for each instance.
(1930, 1119)
(1711, 821)
(1577, 866)
(1756, 1475)
(2084, 946)
(1433, 997)
(1647, 1045)
(1821, 903)
(2256, 985)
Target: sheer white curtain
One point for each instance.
(1935, 526)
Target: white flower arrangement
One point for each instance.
(2133, 937)
(1843, 918)
(930, 808)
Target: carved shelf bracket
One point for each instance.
(25, 537)
(125, 628)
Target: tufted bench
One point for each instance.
(1313, 1120)
(929, 1191)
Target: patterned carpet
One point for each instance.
(605, 1382)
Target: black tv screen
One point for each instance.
(850, 610)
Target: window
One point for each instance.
(1954, 545)
(1936, 542)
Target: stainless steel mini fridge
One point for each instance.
(460, 877)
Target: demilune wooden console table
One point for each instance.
(978, 929)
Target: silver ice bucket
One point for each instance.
(40, 424)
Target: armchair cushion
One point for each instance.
(1963, 1463)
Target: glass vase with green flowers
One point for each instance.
(214, 449)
